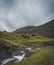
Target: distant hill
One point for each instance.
(25, 30)
(46, 30)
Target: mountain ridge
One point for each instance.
(45, 30)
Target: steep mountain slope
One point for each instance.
(46, 30)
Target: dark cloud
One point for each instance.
(7, 3)
(19, 13)
(52, 7)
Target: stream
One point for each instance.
(19, 54)
(13, 59)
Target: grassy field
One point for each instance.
(20, 39)
(43, 56)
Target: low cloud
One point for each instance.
(15, 14)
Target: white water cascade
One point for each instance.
(15, 59)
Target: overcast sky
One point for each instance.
(15, 14)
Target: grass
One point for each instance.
(18, 39)
(44, 56)
(11, 39)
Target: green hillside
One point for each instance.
(11, 41)
(22, 39)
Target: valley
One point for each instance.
(28, 45)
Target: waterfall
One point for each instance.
(18, 58)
